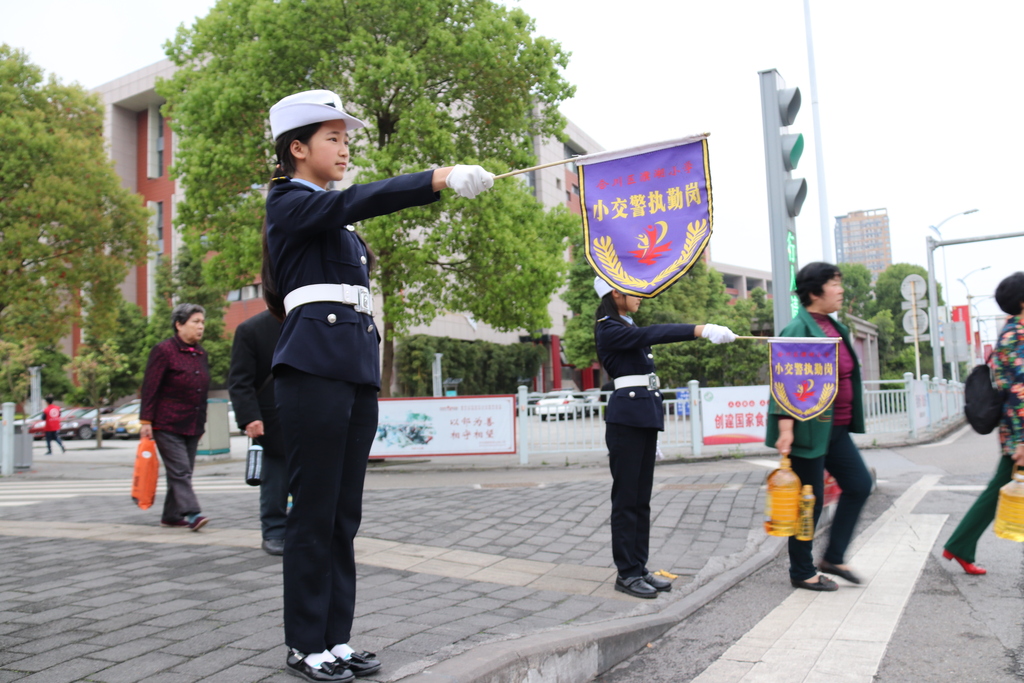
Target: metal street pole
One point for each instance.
(930, 245)
(954, 367)
(933, 309)
(827, 252)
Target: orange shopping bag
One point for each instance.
(147, 471)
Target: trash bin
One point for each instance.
(22, 448)
(217, 438)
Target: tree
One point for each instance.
(186, 282)
(95, 367)
(899, 356)
(438, 82)
(69, 230)
(857, 294)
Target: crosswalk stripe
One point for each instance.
(34, 492)
(842, 635)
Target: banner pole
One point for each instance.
(536, 168)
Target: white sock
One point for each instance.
(343, 651)
(319, 658)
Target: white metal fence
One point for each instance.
(910, 407)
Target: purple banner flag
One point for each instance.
(647, 213)
(804, 374)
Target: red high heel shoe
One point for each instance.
(969, 567)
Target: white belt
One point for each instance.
(650, 381)
(351, 295)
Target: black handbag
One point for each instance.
(983, 402)
(254, 465)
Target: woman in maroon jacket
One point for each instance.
(173, 411)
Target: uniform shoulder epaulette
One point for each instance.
(601, 320)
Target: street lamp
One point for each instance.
(934, 302)
(974, 347)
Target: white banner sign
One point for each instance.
(920, 406)
(447, 425)
(734, 414)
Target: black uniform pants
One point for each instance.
(329, 426)
(631, 452)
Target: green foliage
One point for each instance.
(186, 283)
(131, 341)
(438, 82)
(483, 367)
(95, 367)
(15, 359)
(70, 231)
(857, 294)
(895, 356)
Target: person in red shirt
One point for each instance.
(51, 413)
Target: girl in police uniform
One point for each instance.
(316, 277)
(633, 419)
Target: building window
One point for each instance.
(158, 230)
(159, 145)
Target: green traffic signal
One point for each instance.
(792, 148)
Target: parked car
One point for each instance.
(128, 425)
(592, 400)
(108, 422)
(75, 423)
(27, 423)
(561, 405)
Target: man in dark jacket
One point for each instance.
(251, 386)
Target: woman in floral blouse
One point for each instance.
(1008, 363)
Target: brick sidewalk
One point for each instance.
(92, 590)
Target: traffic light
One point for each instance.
(786, 195)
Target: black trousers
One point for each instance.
(631, 452)
(329, 426)
(274, 482)
(843, 461)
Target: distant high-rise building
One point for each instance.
(863, 237)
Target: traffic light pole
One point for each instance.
(779, 107)
(931, 244)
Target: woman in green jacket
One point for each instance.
(824, 442)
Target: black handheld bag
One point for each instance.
(983, 402)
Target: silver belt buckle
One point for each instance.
(363, 302)
(653, 383)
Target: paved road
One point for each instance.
(918, 618)
(91, 589)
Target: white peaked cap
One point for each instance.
(601, 287)
(304, 108)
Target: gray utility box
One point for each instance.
(216, 439)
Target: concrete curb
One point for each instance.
(579, 654)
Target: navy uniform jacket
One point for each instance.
(624, 349)
(251, 353)
(311, 241)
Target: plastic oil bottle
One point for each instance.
(805, 527)
(782, 502)
(1010, 510)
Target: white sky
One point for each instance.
(920, 102)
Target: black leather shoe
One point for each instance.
(830, 568)
(822, 584)
(361, 663)
(330, 672)
(635, 586)
(273, 546)
(658, 583)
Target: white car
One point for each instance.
(559, 405)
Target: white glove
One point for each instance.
(718, 334)
(469, 181)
